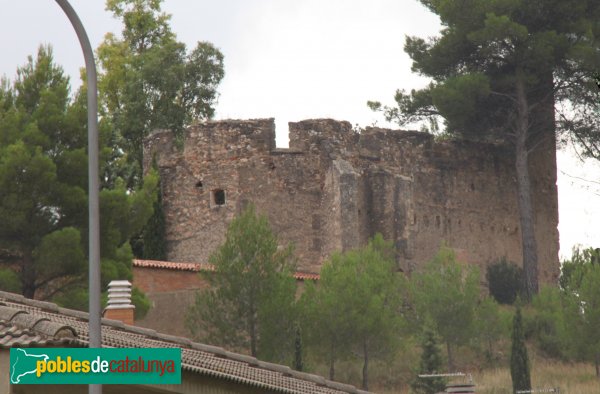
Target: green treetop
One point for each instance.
(148, 80)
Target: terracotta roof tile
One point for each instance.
(47, 324)
(21, 329)
(306, 276)
(196, 267)
(13, 336)
(173, 265)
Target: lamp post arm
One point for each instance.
(95, 335)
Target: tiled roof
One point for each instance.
(173, 265)
(11, 335)
(306, 276)
(203, 267)
(29, 323)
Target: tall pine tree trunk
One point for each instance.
(450, 357)
(28, 276)
(252, 329)
(332, 362)
(365, 383)
(298, 363)
(526, 214)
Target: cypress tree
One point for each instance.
(298, 363)
(519, 361)
(154, 233)
(150, 243)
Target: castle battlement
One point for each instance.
(334, 187)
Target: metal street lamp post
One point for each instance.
(95, 336)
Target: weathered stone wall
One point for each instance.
(334, 188)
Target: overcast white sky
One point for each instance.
(291, 60)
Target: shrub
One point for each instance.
(431, 363)
(505, 281)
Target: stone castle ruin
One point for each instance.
(334, 188)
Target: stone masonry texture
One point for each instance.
(334, 187)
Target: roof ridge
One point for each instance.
(190, 266)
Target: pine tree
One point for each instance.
(354, 309)
(519, 361)
(447, 294)
(43, 191)
(431, 363)
(511, 71)
(250, 303)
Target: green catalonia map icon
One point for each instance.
(24, 363)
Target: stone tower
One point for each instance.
(334, 188)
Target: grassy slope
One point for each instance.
(489, 378)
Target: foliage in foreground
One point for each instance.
(356, 307)
(364, 309)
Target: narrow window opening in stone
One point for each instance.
(199, 185)
(219, 196)
(437, 222)
(472, 187)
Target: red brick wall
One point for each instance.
(171, 293)
(124, 315)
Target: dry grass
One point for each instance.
(570, 378)
(489, 376)
(576, 378)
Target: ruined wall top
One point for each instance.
(332, 138)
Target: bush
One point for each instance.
(505, 281)
(431, 363)
(547, 324)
